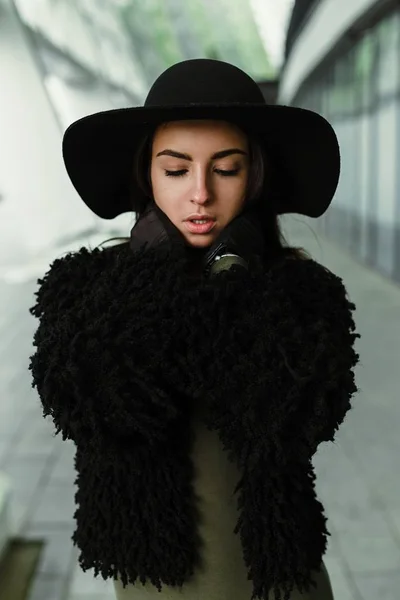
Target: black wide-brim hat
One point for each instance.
(98, 149)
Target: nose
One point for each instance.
(201, 193)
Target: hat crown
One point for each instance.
(203, 81)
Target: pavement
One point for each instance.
(357, 476)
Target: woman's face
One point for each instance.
(199, 172)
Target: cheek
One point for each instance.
(166, 197)
(162, 188)
(242, 188)
(233, 189)
(156, 180)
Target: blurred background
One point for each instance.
(63, 59)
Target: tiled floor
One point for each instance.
(357, 476)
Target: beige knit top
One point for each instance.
(223, 575)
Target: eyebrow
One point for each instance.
(220, 154)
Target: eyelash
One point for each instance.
(219, 171)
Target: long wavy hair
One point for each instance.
(266, 187)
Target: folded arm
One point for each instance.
(280, 382)
(284, 368)
(98, 353)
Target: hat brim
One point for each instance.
(98, 151)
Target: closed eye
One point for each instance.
(221, 172)
(227, 173)
(176, 173)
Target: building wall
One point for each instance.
(38, 202)
(63, 60)
(358, 90)
(326, 22)
(51, 73)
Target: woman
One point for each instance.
(198, 366)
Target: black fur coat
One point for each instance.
(128, 340)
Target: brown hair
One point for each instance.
(266, 186)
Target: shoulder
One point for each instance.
(68, 276)
(303, 269)
(90, 275)
(308, 284)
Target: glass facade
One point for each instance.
(359, 93)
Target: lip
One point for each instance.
(199, 216)
(200, 228)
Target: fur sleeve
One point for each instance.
(95, 364)
(282, 378)
(315, 336)
(286, 355)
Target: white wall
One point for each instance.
(271, 18)
(90, 32)
(329, 21)
(39, 203)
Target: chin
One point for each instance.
(200, 241)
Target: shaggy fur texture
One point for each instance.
(128, 340)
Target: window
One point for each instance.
(388, 32)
